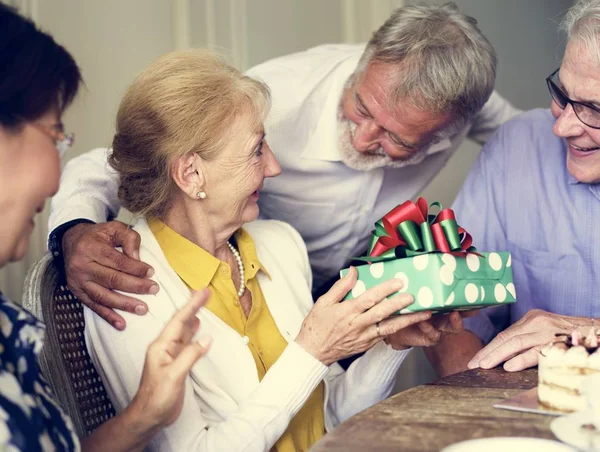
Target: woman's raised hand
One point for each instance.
(169, 358)
(332, 330)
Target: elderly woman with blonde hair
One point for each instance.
(191, 155)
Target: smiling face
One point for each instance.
(235, 176)
(375, 135)
(580, 79)
(29, 174)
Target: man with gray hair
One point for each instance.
(356, 131)
(535, 191)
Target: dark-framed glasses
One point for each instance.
(585, 112)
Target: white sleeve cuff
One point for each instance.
(368, 380)
(92, 209)
(380, 364)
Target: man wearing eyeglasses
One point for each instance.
(535, 191)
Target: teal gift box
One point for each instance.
(435, 260)
(443, 282)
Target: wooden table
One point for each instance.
(433, 416)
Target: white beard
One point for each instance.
(366, 161)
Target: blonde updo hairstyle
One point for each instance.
(183, 102)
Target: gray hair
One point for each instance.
(445, 64)
(582, 21)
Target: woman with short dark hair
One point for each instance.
(38, 81)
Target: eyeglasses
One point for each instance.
(63, 141)
(585, 112)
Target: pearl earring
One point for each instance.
(201, 194)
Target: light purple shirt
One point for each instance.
(519, 197)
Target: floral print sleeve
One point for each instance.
(30, 418)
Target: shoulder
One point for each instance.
(172, 293)
(499, 104)
(523, 137)
(291, 78)
(304, 63)
(522, 158)
(531, 122)
(150, 250)
(299, 84)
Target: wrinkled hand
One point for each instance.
(518, 345)
(95, 269)
(429, 332)
(332, 330)
(169, 358)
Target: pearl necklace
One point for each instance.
(240, 265)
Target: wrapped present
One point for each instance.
(435, 260)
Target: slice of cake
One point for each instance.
(562, 367)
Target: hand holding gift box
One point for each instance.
(435, 260)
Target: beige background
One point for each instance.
(112, 40)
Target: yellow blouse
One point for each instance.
(199, 269)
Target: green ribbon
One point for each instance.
(397, 234)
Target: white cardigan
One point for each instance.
(226, 408)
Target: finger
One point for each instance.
(181, 335)
(411, 336)
(431, 333)
(189, 355)
(198, 299)
(426, 327)
(514, 346)
(105, 313)
(114, 300)
(109, 257)
(341, 287)
(499, 340)
(185, 319)
(382, 310)
(380, 292)
(110, 278)
(523, 361)
(129, 240)
(456, 323)
(394, 324)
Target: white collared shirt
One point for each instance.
(333, 206)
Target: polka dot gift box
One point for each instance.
(435, 260)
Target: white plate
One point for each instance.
(512, 444)
(568, 429)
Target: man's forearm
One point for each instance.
(453, 353)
